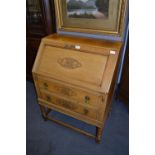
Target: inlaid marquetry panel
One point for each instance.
(69, 63)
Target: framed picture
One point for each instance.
(91, 16)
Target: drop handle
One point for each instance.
(87, 99)
(45, 85)
(48, 98)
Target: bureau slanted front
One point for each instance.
(76, 76)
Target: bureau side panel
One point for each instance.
(110, 94)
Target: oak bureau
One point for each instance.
(76, 76)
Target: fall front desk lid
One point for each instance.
(89, 70)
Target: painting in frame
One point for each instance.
(91, 16)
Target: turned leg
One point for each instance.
(48, 111)
(109, 112)
(99, 132)
(43, 112)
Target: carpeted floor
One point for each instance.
(48, 138)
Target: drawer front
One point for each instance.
(72, 93)
(92, 113)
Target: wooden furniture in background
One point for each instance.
(40, 21)
(76, 76)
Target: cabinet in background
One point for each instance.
(40, 21)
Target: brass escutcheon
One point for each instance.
(48, 98)
(87, 99)
(45, 85)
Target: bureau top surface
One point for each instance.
(82, 40)
(90, 66)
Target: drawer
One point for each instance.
(81, 96)
(63, 103)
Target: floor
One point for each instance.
(48, 138)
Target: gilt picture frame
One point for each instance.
(91, 16)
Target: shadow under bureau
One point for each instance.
(76, 76)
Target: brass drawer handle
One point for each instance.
(87, 99)
(48, 98)
(45, 85)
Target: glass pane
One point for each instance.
(33, 12)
